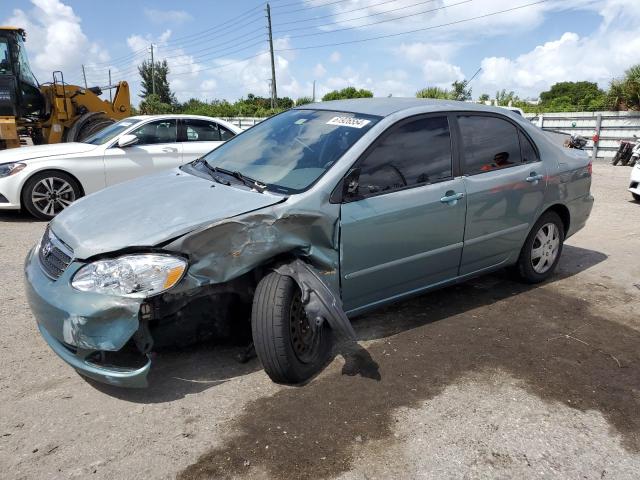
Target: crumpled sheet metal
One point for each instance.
(319, 302)
(306, 237)
(225, 250)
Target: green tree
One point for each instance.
(153, 105)
(459, 91)
(573, 96)
(304, 101)
(625, 93)
(349, 92)
(434, 92)
(484, 98)
(159, 73)
(503, 97)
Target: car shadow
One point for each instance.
(17, 216)
(176, 373)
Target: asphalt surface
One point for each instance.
(489, 379)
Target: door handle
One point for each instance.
(534, 178)
(451, 197)
(169, 149)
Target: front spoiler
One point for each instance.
(120, 377)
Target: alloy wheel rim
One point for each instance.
(544, 250)
(304, 340)
(51, 195)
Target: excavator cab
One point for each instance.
(20, 94)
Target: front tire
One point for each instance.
(46, 194)
(286, 345)
(541, 252)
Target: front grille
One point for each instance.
(54, 255)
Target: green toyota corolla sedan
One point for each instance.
(299, 223)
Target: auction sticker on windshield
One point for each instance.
(349, 122)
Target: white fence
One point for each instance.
(610, 127)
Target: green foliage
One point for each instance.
(625, 93)
(503, 97)
(152, 105)
(573, 97)
(484, 98)
(162, 88)
(349, 92)
(459, 91)
(252, 106)
(434, 92)
(304, 101)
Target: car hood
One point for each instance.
(40, 151)
(151, 210)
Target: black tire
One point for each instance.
(34, 189)
(94, 125)
(278, 332)
(616, 159)
(526, 266)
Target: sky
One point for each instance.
(219, 50)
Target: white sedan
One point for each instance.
(45, 179)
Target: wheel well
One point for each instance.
(51, 170)
(563, 213)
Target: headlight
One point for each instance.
(7, 169)
(140, 275)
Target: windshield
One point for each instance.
(5, 60)
(290, 151)
(110, 132)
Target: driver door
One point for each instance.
(157, 149)
(402, 228)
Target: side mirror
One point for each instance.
(127, 140)
(351, 185)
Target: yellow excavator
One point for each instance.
(51, 112)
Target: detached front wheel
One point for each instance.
(291, 351)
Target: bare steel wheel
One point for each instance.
(303, 339)
(48, 193)
(544, 250)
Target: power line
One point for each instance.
(305, 8)
(334, 14)
(407, 32)
(380, 21)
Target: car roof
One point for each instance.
(386, 106)
(171, 115)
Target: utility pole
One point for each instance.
(153, 73)
(110, 94)
(274, 89)
(84, 75)
(313, 97)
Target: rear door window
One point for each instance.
(201, 130)
(411, 154)
(488, 143)
(159, 131)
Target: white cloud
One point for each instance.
(56, 41)
(335, 57)
(319, 71)
(598, 57)
(167, 16)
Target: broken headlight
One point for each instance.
(139, 275)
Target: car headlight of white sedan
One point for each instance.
(137, 275)
(7, 169)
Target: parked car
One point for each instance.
(45, 179)
(634, 182)
(315, 215)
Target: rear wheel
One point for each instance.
(48, 193)
(542, 249)
(87, 125)
(616, 159)
(289, 349)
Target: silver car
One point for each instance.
(311, 217)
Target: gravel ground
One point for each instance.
(489, 379)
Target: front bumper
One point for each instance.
(80, 326)
(10, 192)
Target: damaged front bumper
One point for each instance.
(84, 329)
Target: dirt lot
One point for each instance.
(489, 379)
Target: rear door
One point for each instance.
(402, 228)
(157, 149)
(505, 183)
(199, 136)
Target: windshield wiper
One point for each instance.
(212, 171)
(248, 181)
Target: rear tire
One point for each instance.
(47, 193)
(541, 251)
(616, 159)
(285, 344)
